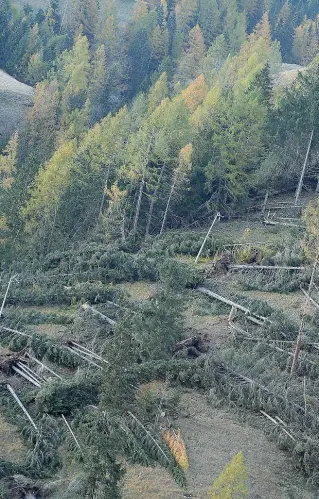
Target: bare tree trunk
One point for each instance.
(265, 202)
(298, 348)
(150, 213)
(15, 396)
(167, 205)
(140, 194)
(298, 191)
(104, 193)
(217, 217)
(139, 202)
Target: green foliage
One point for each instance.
(43, 458)
(58, 397)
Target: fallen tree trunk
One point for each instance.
(285, 224)
(86, 306)
(15, 396)
(43, 366)
(15, 331)
(263, 267)
(26, 376)
(257, 319)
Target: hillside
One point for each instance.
(159, 249)
(15, 99)
(44, 320)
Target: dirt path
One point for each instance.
(212, 438)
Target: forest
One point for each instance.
(149, 121)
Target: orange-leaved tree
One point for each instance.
(177, 447)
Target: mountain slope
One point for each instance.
(15, 98)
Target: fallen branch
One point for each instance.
(13, 393)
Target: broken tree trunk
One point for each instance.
(86, 306)
(298, 191)
(15, 396)
(217, 217)
(142, 184)
(298, 348)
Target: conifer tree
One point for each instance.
(159, 44)
(97, 90)
(190, 65)
(180, 175)
(305, 43)
(5, 19)
(235, 27)
(209, 20)
(186, 14)
(53, 17)
(82, 16)
(232, 483)
(8, 163)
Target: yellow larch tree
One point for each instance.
(232, 482)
